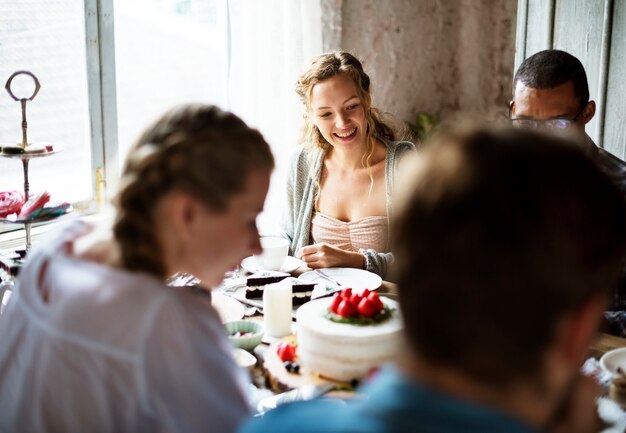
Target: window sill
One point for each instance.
(16, 239)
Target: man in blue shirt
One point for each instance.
(507, 249)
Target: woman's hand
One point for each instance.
(323, 255)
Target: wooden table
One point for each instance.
(604, 343)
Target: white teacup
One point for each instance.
(274, 253)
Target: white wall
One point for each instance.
(449, 57)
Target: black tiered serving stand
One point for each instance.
(25, 151)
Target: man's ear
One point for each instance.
(589, 111)
(511, 106)
(579, 329)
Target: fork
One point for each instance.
(181, 279)
(326, 277)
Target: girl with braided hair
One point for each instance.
(93, 340)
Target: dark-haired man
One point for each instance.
(550, 90)
(507, 250)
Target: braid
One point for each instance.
(134, 230)
(196, 149)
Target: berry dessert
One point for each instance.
(345, 336)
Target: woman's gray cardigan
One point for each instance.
(304, 173)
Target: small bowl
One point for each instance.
(249, 341)
(612, 360)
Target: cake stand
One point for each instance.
(26, 151)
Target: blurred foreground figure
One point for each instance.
(508, 248)
(93, 340)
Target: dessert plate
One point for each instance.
(356, 279)
(17, 152)
(289, 265)
(613, 360)
(244, 358)
(229, 309)
(38, 217)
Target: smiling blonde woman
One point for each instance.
(341, 179)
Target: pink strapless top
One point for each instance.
(369, 232)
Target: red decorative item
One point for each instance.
(11, 202)
(36, 202)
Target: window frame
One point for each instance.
(102, 115)
(102, 97)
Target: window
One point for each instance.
(46, 37)
(167, 52)
(109, 68)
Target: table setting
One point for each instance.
(271, 287)
(261, 327)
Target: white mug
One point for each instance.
(274, 253)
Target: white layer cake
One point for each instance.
(343, 351)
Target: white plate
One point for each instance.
(229, 309)
(289, 265)
(244, 359)
(613, 359)
(356, 279)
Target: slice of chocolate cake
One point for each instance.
(301, 292)
(255, 284)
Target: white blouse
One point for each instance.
(88, 348)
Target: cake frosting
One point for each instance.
(343, 351)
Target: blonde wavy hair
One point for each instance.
(196, 149)
(379, 125)
(327, 66)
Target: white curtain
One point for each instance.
(271, 44)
